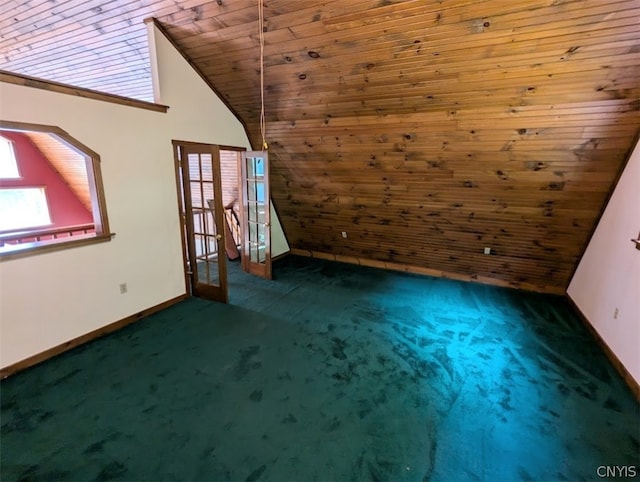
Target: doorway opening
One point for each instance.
(225, 214)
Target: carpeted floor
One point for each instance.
(329, 372)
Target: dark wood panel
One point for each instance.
(427, 130)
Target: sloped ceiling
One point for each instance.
(425, 130)
(70, 164)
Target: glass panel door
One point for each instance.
(256, 246)
(204, 220)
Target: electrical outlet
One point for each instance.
(123, 288)
(344, 234)
(487, 250)
(615, 313)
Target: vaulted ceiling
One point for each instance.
(425, 130)
(67, 162)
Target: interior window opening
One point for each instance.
(51, 194)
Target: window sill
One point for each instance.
(24, 250)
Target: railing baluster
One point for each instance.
(47, 234)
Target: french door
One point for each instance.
(198, 169)
(256, 207)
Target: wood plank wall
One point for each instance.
(426, 130)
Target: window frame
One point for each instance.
(96, 189)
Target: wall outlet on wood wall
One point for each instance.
(344, 234)
(487, 250)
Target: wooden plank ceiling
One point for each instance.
(70, 165)
(426, 130)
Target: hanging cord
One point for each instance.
(263, 122)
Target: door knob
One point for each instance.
(218, 237)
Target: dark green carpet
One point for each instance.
(330, 372)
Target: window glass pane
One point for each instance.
(206, 166)
(8, 164)
(194, 166)
(259, 166)
(260, 192)
(250, 169)
(253, 233)
(255, 167)
(23, 208)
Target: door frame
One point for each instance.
(217, 293)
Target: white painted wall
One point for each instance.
(279, 243)
(171, 75)
(48, 299)
(608, 276)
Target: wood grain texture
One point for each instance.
(427, 130)
(70, 164)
